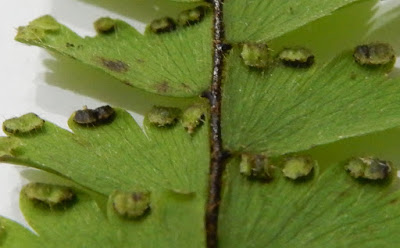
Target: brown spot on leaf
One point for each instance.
(126, 82)
(140, 61)
(343, 194)
(186, 87)
(162, 87)
(114, 65)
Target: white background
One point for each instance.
(34, 81)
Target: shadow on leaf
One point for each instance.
(72, 75)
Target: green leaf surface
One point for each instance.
(285, 109)
(274, 111)
(168, 162)
(330, 209)
(260, 20)
(84, 224)
(175, 64)
(15, 236)
(153, 159)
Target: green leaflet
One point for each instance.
(14, 236)
(160, 63)
(175, 64)
(261, 20)
(276, 111)
(84, 224)
(7, 145)
(24, 124)
(168, 162)
(331, 209)
(287, 109)
(151, 160)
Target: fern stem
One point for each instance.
(217, 152)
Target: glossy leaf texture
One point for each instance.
(275, 111)
(86, 224)
(284, 109)
(329, 208)
(260, 20)
(176, 63)
(168, 162)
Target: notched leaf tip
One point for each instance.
(162, 25)
(256, 55)
(192, 16)
(48, 194)
(297, 57)
(298, 166)
(374, 54)
(104, 25)
(131, 205)
(92, 117)
(185, 18)
(370, 168)
(7, 146)
(24, 124)
(256, 166)
(37, 29)
(163, 116)
(194, 116)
